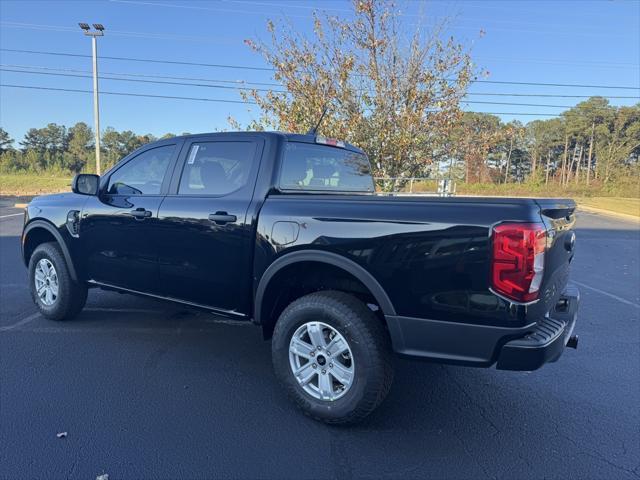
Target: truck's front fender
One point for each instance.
(48, 227)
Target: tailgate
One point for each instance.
(559, 217)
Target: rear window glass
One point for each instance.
(307, 166)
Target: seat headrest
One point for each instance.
(213, 177)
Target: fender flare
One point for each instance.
(329, 258)
(49, 227)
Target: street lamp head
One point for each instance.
(98, 26)
(84, 26)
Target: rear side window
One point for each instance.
(306, 166)
(217, 168)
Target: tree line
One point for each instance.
(58, 149)
(593, 143)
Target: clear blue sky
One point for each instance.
(596, 42)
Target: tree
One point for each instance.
(580, 124)
(6, 142)
(544, 141)
(397, 99)
(56, 138)
(34, 139)
(617, 139)
(120, 144)
(79, 148)
(512, 135)
(474, 138)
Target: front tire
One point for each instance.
(53, 290)
(333, 356)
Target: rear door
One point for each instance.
(206, 241)
(118, 228)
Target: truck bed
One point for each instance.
(430, 254)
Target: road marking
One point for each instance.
(159, 329)
(22, 322)
(12, 215)
(32, 317)
(239, 323)
(610, 295)
(120, 310)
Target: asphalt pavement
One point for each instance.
(148, 389)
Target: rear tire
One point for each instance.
(359, 378)
(55, 293)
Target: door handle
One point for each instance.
(140, 213)
(221, 218)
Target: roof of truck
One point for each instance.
(292, 137)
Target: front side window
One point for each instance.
(142, 175)
(307, 166)
(217, 168)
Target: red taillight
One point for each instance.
(517, 261)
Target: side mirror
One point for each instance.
(85, 184)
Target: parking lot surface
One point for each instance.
(148, 389)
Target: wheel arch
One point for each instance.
(266, 308)
(41, 231)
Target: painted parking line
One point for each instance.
(22, 322)
(12, 215)
(120, 310)
(33, 316)
(154, 329)
(610, 295)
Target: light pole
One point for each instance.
(94, 34)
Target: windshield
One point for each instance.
(307, 166)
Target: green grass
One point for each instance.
(33, 184)
(629, 206)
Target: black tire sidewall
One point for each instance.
(63, 302)
(332, 314)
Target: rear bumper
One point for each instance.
(523, 348)
(546, 342)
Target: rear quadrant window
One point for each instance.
(307, 166)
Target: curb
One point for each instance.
(609, 213)
(21, 205)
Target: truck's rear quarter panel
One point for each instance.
(431, 255)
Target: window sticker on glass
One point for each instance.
(192, 154)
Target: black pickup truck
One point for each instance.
(287, 231)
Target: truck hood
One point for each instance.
(54, 198)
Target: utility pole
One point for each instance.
(94, 34)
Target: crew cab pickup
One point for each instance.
(287, 231)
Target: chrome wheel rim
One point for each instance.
(321, 361)
(46, 282)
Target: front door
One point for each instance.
(206, 240)
(118, 227)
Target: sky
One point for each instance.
(592, 43)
